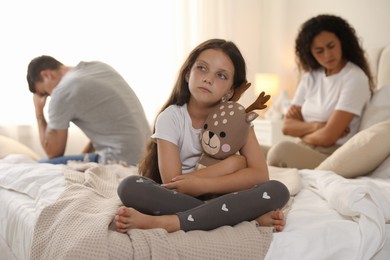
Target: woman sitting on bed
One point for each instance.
(330, 97)
(211, 73)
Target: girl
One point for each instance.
(331, 96)
(211, 73)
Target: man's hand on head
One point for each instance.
(39, 102)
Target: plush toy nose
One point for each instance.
(211, 134)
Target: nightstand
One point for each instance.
(269, 132)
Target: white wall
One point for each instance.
(138, 38)
(265, 30)
(370, 18)
(146, 41)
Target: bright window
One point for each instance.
(140, 39)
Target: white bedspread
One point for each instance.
(334, 218)
(25, 190)
(330, 217)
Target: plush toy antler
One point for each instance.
(238, 91)
(259, 103)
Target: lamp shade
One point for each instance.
(267, 82)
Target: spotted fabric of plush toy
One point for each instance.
(226, 129)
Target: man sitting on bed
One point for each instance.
(98, 100)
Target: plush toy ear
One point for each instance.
(251, 116)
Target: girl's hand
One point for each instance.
(189, 184)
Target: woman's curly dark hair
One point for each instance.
(350, 45)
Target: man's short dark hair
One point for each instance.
(35, 67)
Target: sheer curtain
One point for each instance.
(146, 41)
(138, 38)
(240, 21)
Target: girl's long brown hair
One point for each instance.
(180, 95)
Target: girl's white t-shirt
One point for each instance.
(174, 124)
(320, 95)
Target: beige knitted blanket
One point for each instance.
(76, 226)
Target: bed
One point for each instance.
(341, 210)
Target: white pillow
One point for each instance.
(288, 176)
(383, 170)
(11, 146)
(361, 154)
(378, 109)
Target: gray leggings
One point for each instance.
(151, 198)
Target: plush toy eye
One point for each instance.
(222, 134)
(205, 126)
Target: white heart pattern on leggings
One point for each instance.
(224, 208)
(190, 218)
(266, 196)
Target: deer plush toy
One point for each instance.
(226, 128)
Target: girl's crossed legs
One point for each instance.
(149, 205)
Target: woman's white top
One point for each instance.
(320, 95)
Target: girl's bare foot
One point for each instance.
(274, 219)
(130, 218)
